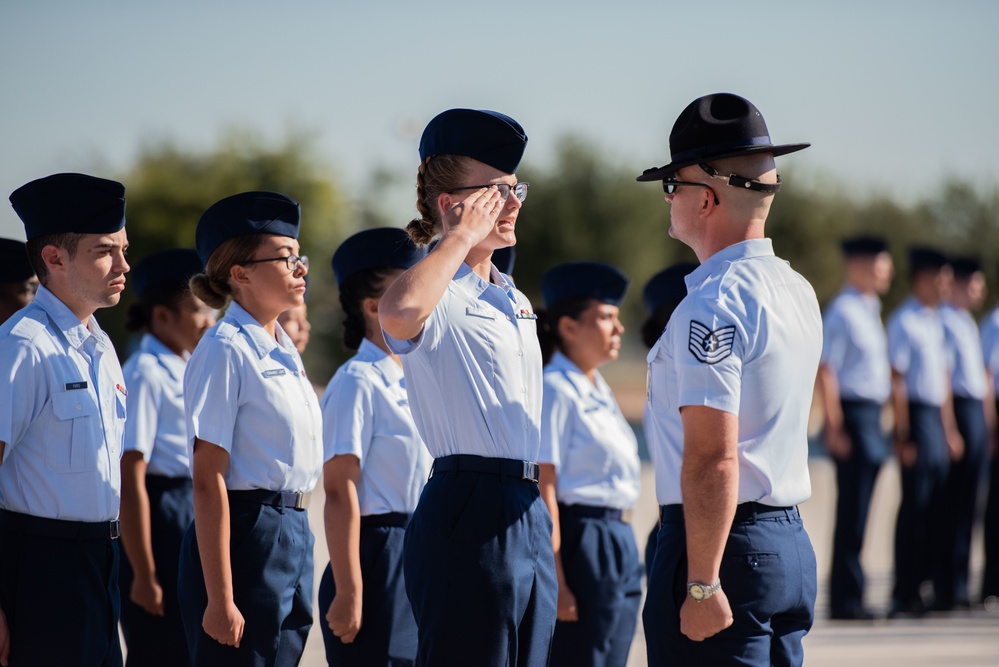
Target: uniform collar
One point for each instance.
(563, 364)
(370, 352)
(261, 341)
(169, 359)
(68, 323)
(470, 279)
(743, 250)
(872, 300)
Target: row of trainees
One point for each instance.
(732, 580)
(219, 567)
(939, 376)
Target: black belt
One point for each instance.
(387, 520)
(744, 512)
(525, 470)
(593, 512)
(58, 529)
(164, 483)
(290, 499)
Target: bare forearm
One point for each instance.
(212, 526)
(136, 533)
(828, 387)
(342, 515)
(900, 406)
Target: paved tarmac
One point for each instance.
(966, 639)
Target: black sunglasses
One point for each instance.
(670, 186)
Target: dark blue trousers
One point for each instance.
(768, 575)
(60, 595)
(155, 641)
(964, 479)
(650, 548)
(271, 553)
(855, 477)
(388, 630)
(600, 560)
(480, 573)
(990, 578)
(919, 528)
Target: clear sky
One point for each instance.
(893, 95)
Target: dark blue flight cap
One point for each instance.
(926, 259)
(667, 287)
(504, 258)
(588, 280)
(965, 267)
(487, 136)
(863, 246)
(173, 268)
(244, 214)
(375, 248)
(70, 203)
(15, 267)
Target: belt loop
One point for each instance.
(756, 508)
(432, 466)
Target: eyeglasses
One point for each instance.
(670, 186)
(291, 261)
(519, 190)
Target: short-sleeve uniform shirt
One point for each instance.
(62, 414)
(248, 393)
(366, 414)
(474, 372)
(855, 346)
(916, 347)
(990, 346)
(587, 439)
(964, 353)
(156, 426)
(746, 340)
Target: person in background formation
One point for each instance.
(970, 389)
(926, 435)
(854, 385)
(62, 414)
(156, 505)
(18, 282)
(376, 466)
(254, 426)
(660, 296)
(478, 553)
(295, 322)
(990, 577)
(589, 467)
(730, 387)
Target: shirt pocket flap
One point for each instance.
(484, 313)
(73, 404)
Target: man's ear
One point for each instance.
(56, 259)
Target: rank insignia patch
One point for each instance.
(710, 347)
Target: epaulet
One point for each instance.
(29, 326)
(226, 331)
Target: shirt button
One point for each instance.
(508, 317)
(520, 353)
(79, 407)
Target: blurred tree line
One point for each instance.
(584, 206)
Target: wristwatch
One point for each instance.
(701, 592)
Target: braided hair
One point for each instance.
(365, 284)
(437, 174)
(213, 286)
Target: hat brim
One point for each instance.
(669, 170)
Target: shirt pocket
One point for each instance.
(73, 441)
(482, 313)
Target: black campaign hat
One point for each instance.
(173, 267)
(588, 280)
(244, 214)
(667, 288)
(926, 259)
(487, 136)
(375, 248)
(15, 266)
(713, 127)
(70, 203)
(863, 246)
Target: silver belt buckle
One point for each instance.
(114, 529)
(302, 501)
(530, 472)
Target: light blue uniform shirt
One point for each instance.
(587, 439)
(249, 394)
(964, 353)
(916, 350)
(156, 426)
(366, 414)
(746, 340)
(855, 346)
(990, 346)
(474, 373)
(62, 414)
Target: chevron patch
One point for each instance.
(710, 347)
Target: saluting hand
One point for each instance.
(344, 616)
(476, 215)
(148, 594)
(700, 620)
(224, 623)
(4, 640)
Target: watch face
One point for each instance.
(696, 591)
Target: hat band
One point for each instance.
(704, 152)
